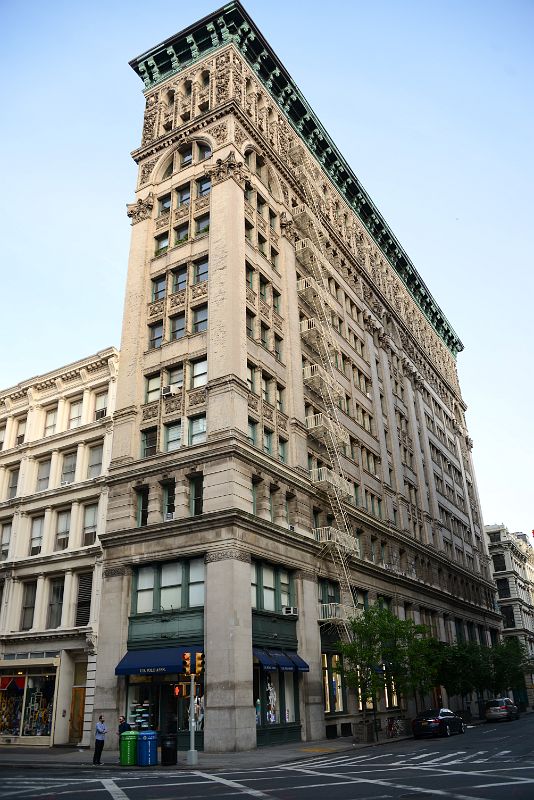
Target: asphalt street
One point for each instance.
(488, 762)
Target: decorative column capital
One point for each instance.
(224, 555)
(140, 210)
(229, 168)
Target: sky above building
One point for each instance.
(430, 102)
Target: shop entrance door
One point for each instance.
(76, 714)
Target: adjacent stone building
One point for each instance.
(512, 558)
(289, 436)
(55, 447)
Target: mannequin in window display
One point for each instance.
(271, 701)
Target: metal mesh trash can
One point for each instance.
(169, 749)
(147, 749)
(128, 748)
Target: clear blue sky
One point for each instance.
(431, 103)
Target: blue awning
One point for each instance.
(158, 661)
(286, 660)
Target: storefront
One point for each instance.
(276, 695)
(27, 704)
(157, 693)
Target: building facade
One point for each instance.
(512, 560)
(289, 436)
(55, 447)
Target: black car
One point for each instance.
(437, 722)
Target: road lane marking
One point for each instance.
(442, 758)
(111, 787)
(231, 785)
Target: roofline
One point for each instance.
(231, 23)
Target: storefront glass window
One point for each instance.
(11, 696)
(289, 680)
(163, 704)
(272, 697)
(333, 690)
(38, 705)
(336, 683)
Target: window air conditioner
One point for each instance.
(65, 483)
(100, 413)
(168, 391)
(290, 611)
(168, 516)
(291, 527)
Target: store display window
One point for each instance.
(275, 696)
(26, 704)
(163, 703)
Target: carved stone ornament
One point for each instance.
(229, 168)
(141, 210)
(219, 133)
(226, 555)
(287, 227)
(240, 137)
(146, 171)
(91, 640)
(114, 572)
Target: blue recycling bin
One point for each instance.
(147, 749)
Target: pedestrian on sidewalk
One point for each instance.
(123, 726)
(100, 736)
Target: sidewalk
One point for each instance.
(66, 757)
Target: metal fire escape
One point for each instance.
(338, 541)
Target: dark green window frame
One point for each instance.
(185, 585)
(284, 590)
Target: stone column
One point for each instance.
(55, 465)
(86, 407)
(81, 463)
(41, 604)
(230, 722)
(49, 533)
(68, 601)
(75, 533)
(311, 694)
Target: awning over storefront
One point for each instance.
(286, 660)
(158, 661)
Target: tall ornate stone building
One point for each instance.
(290, 441)
(55, 447)
(512, 563)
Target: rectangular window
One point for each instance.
(149, 439)
(276, 299)
(75, 414)
(175, 376)
(155, 336)
(173, 436)
(202, 224)
(90, 516)
(36, 536)
(249, 227)
(269, 592)
(2, 436)
(181, 233)
(263, 287)
(266, 388)
(197, 429)
(68, 469)
(271, 587)
(164, 204)
(179, 279)
(186, 156)
(43, 475)
(196, 582)
(253, 432)
(272, 219)
(250, 318)
(262, 244)
(282, 450)
(170, 586)
(21, 431)
(184, 195)
(280, 397)
(145, 590)
(158, 288)
(28, 605)
(203, 186)
(196, 494)
(101, 405)
(5, 538)
(251, 378)
(152, 388)
(62, 530)
(50, 421)
(83, 602)
(204, 151)
(278, 348)
(94, 468)
(267, 440)
(200, 319)
(161, 244)
(55, 603)
(142, 506)
(200, 270)
(177, 329)
(199, 373)
(249, 276)
(264, 335)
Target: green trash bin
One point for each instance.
(128, 748)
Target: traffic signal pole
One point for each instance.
(192, 755)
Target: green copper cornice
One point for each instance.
(232, 24)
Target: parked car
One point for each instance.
(437, 722)
(501, 708)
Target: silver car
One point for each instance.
(501, 708)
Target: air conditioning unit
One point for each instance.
(290, 611)
(65, 483)
(291, 527)
(101, 413)
(168, 516)
(168, 391)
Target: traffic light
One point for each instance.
(199, 663)
(186, 664)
